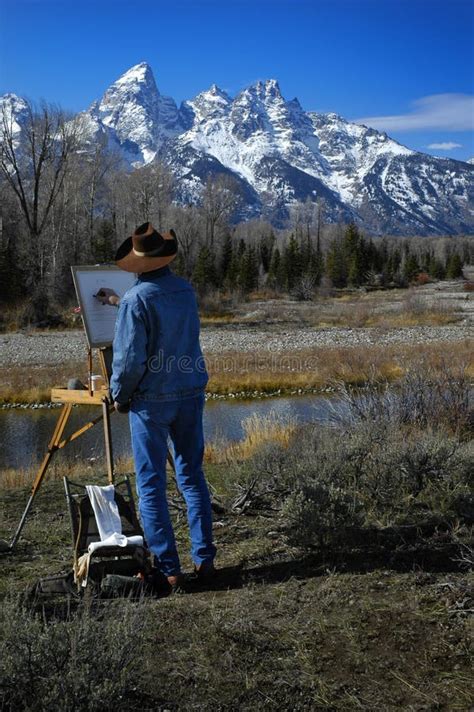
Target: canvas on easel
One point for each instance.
(99, 319)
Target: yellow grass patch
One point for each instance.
(213, 319)
(12, 478)
(258, 430)
(308, 369)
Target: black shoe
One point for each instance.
(205, 572)
(176, 584)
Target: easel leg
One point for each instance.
(52, 447)
(108, 442)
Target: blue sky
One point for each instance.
(406, 66)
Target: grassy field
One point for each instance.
(246, 374)
(356, 596)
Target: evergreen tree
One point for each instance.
(316, 267)
(396, 263)
(179, 266)
(226, 257)
(436, 268)
(411, 267)
(282, 276)
(204, 274)
(454, 266)
(241, 248)
(11, 278)
(266, 245)
(426, 260)
(380, 256)
(104, 239)
(293, 262)
(248, 275)
(336, 264)
(354, 255)
(273, 270)
(355, 271)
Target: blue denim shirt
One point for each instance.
(157, 355)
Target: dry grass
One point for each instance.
(374, 310)
(32, 384)
(264, 372)
(309, 369)
(18, 315)
(211, 319)
(417, 306)
(14, 478)
(257, 432)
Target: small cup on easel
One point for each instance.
(96, 383)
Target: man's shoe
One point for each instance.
(205, 572)
(176, 584)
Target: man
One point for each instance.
(159, 377)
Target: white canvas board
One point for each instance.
(99, 319)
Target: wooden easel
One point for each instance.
(69, 398)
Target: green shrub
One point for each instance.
(319, 515)
(422, 399)
(86, 662)
(370, 473)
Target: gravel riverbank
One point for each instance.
(57, 347)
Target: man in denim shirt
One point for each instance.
(159, 377)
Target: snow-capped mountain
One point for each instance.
(13, 111)
(279, 153)
(134, 116)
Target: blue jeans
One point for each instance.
(151, 423)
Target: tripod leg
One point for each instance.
(52, 447)
(108, 441)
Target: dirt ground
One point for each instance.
(357, 629)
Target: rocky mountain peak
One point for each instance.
(278, 153)
(136, 86)
(13, 109)
(264, 91)
(139, 74)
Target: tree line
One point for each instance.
(68, 200)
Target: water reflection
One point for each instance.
(24, 434)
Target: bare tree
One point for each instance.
(187, 224)
(150, 189)
(220, 199)
(34, 160)
(97, 164)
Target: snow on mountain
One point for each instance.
(278, 154)
(13, 110)
(470, 160)
(135, 116)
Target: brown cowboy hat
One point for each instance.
(146, 250)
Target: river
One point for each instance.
(25, 433)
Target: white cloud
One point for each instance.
(451, 112)
(445, 145)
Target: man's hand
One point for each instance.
(108, 296)
(121, 407)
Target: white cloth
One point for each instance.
(105, 510)
(108, 519)
(116, 540)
